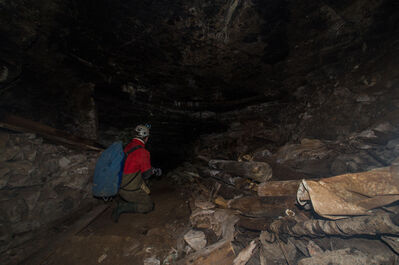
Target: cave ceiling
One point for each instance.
(157, 50)
(172, 53)
(182, 50)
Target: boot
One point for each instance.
(123, 207)
(115, 213)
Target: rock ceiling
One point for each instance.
(197, 54)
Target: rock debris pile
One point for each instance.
(308, 202)
(39, 183)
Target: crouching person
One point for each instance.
(133, 191)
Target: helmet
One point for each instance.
(142, 131)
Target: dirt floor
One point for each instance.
(134, 238)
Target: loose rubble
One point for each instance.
(40, 183)
(337, 204)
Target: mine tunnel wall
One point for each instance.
(40, 183)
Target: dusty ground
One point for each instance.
(134, 238)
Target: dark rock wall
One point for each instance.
(339, 107)
(340, 72)
(39, 183)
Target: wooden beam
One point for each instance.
(254, 206)
(19, 124)
(255, 224)
(278, 188)
(221, 253)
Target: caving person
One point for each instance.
(134, 192)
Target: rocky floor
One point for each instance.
(135, 238)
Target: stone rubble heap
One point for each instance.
(304, 211)
(39, 183)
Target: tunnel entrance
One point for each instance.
(275, 124)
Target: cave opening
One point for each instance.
(275, 124)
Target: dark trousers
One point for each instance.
(135, 201)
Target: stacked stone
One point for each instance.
(39, 183)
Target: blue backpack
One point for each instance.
(109, 169)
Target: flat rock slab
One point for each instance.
(196, 239)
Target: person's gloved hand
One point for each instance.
(157, 172)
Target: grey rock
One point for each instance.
(77, 181)
(4, 177)
(55, 181)
(39, 177)
(195, 239)
(50, 210)
(131, 249)
(356, 162)
(309, 149)
(37, 141)
(48, 149)
(15, 210)
(367, 134)
(364, 98)
(21, 139)
(19, 167)
(19, 239)
(11, 153)
(385, 127)
(31, 197)
(151, 261)
(19, 180)
(64, 162)
(19, 173)
(30, 136)
(352, 166)
(360, 144)
(31, 156)
(300, 92)
(24, 226)
(82, 170)
(29, 151)
(15, 138)
(261, 155)
(393, 144)
(5, 236)
(78, 158)
(68, 204)
(395, 161)
(50, 165)
(348, 256)
(342, 92)
(6, 195)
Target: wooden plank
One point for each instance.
(42, 255)
(20, 124)
(278, 188)
(254, 206)
(255, 224)
(220, 201)
(246, 254)
(220, 253)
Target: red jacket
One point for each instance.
(138, 160)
